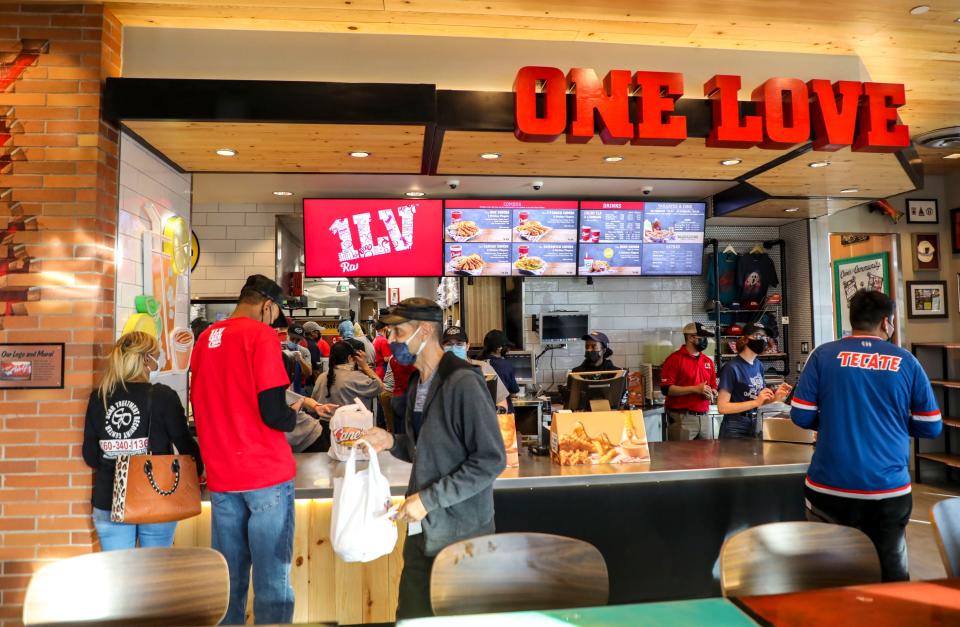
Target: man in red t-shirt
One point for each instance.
(238, 393)
(381, 349)
(688, 380)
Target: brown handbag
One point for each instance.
(154, 488)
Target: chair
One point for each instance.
(794, 556)
(945, 517)
(517, 571)
(143, 587)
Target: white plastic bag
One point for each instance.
(360, 527)
(347, 425)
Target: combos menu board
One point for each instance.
(504, 237)
(371, 237)
(640, 238)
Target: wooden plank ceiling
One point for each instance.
(921, 51)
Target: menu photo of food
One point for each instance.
(673, 223)
(609, 259)
(477, 225)
(545, 259)
(474, 259)
(545, 225)
(606, 437)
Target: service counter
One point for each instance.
(659, 524)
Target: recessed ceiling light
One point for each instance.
(819, 164)
(283, 193)
(849, 190)
(227, 152)
(957, 20)
(955, 155)
(731, 162)
(415, 194)
(489, 155)
(920, 9)
(792, 210)
(359, 154)
(613, 158)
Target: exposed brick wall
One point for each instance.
(58, 187)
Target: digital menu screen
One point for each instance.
(640, 238)
(510, 237)
(365, 238)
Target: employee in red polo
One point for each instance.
(688, 380)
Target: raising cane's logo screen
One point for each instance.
(373, 237)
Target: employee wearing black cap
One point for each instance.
(455, 341)
(495, 347)
(742, 386)
(597, 353)
(453, 440)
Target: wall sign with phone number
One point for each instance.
(31, 366)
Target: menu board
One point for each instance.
(504, 237)
(640, 238)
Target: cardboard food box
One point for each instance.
(600, 437)
(508, 429)
(782, 429)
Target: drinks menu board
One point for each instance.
(504, 237)
(640, 238)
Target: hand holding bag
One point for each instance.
(154, 488)
(361, 529)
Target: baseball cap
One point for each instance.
(695, 328)
(269, 289)
(753, 327)
(596, 336)
(454, 334)
(312, 327)
(495, 339)
(297, 330)
(414, 309)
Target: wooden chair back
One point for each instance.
(144, 587)
(793, 556)
(945, 517)
(517, 571)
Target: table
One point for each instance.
(914, 604)
(713, 612)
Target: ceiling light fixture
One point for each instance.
(490, 155)
(792, 210)
(920, 9)
(359, 154)
(613, 158)
(731, 162)
(227, 152)
(955, 155)
(283, 193)
(849, 190)
(415, 194)
(819, 164)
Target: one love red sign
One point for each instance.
(365, 238)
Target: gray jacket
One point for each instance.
(458, 455)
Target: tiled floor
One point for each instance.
(924, 556)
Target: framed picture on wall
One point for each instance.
(922, 210)
(926, 251)
(955, 231)
(926, 299)
(867, 272)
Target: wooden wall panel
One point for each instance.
(482, 306)
(808, 207)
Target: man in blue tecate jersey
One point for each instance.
(865, 397)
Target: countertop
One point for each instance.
(670, 461)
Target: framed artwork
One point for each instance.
(393, 296)
(852, 275)
(922, 211)
(31, 366)
(955, 231)
(926, 251)
(926, 299)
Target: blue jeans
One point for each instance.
(738, 427)
(255, 528)
(116, 536)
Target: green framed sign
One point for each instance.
(855, 274)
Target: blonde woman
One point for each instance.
(129, 415)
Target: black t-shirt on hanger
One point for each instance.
(755, 275)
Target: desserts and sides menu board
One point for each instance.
(503, 237)
(673, 238)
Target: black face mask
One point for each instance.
(757, 344)
(701, 344)
(592, 356)
(503, 351)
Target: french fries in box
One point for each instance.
(603, 437)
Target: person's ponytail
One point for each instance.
(126, 362)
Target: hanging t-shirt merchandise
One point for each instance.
(755, 275)
(729, 288)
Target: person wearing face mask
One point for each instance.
(349, 377)
(866, 397)
(688, 380)
(495, 347)
(238, 392)
(742, 388)
(292, 344)
(597, 353)
(128, 415)
(453, 440)
(455, 341)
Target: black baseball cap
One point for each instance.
(269, 289)
(753, 327)
(496, 339)
(596, 336)
(454, 334)
(411, 309)
(297, 330)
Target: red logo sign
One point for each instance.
(845, 113)
(372, 237)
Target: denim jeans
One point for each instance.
(255, 528)
(738, 427)
(116, 536)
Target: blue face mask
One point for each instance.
(292, 345)
(459, 351)
(401, 351)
